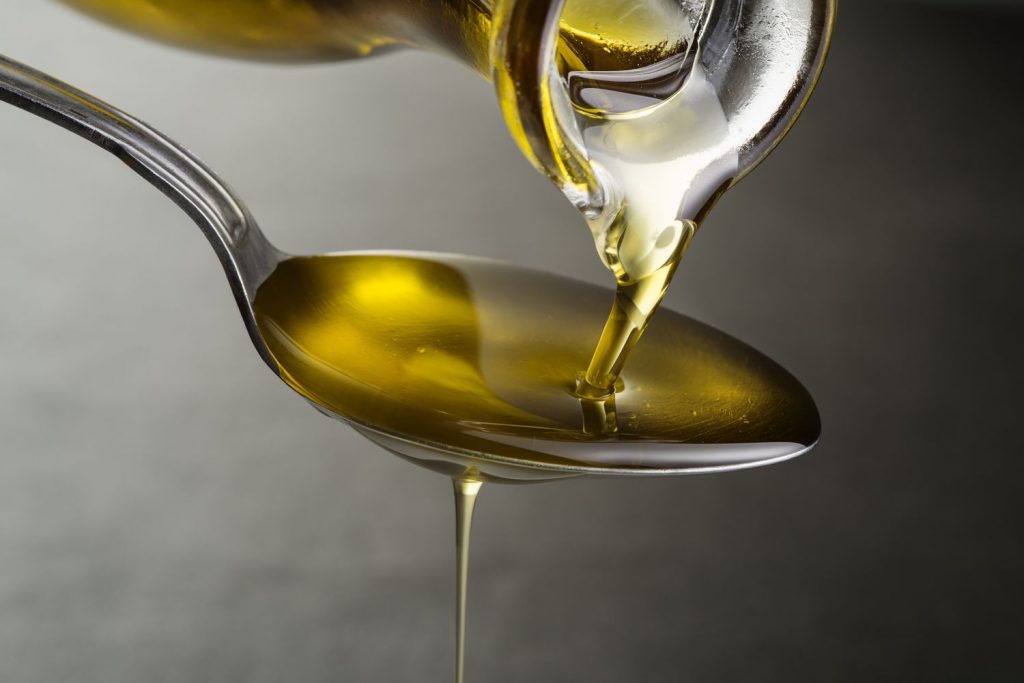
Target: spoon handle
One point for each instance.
(246, 254)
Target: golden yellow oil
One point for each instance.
(478, 357)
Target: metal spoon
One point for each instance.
(249, 259)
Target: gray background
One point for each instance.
(169, 511)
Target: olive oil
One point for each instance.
(480, 358)
(487, 372)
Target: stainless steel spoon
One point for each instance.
(249, 259)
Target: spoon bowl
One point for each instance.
(458, 362)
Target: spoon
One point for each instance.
(787, 425)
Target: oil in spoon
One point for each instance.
(475, 361)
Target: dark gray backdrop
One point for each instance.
(169, 512)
